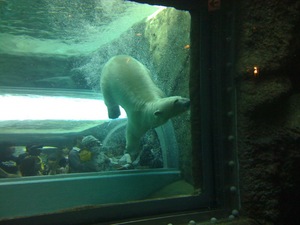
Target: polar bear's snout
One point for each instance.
(186, 102)
(183, 103)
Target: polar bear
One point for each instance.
(126, 82)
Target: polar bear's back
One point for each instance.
(127, 82)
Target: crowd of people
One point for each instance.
(86, 155)
(32, 162)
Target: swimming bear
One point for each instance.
(126, 82)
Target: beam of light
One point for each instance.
(153, 15)
(36, 107)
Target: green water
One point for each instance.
(54, 50)
(65, 28)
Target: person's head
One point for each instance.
(52, 162)
(90, 141)
(6, 148)
(34, 150)
(31, 166)
(65, 151)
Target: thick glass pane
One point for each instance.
(57, 123)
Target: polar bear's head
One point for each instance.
(169, 107)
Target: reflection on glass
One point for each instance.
(52, 111)
(52, 108)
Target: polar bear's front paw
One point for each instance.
(114, 112)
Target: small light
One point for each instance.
(213, 220)
(192, 222)
(231, 217)
(255, 71)
(230, 138)
(230, 113)
(231, 163)
(235, 212)
(187, 47)
(233, 189)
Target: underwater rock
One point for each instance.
(56, 82)
(168, 34)
(34, 70)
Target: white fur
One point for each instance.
(127, 82)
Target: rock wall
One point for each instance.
(168, 36)
(38, 71)
(268, 110)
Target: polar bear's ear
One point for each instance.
(157, 113)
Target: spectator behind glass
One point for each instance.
(31, 166)
(31, 150)
(75, 163)
(8, 162)
(30, 162)
(58, 162)
(85, 157)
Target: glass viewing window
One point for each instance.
(59, 150)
